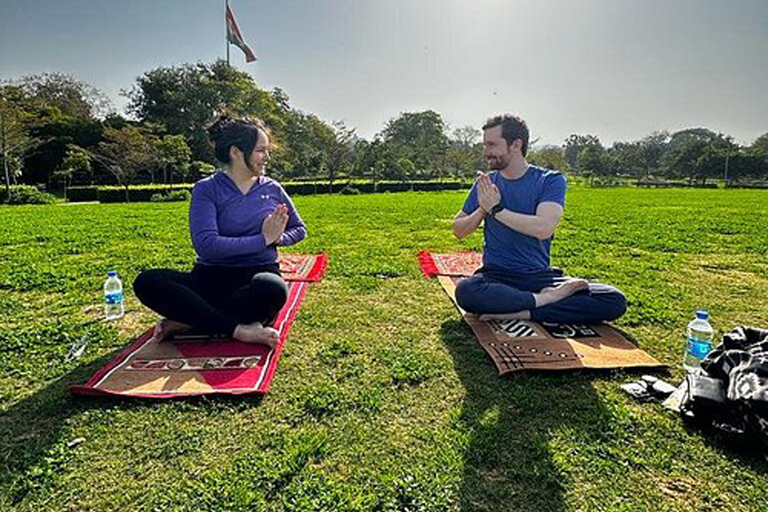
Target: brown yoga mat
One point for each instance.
(522, 345)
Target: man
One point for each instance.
(521, 206)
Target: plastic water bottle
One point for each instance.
(113, 296)
(699, 341)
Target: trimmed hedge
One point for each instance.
(25, 194)
(80, 194)
(673, 184)
(145, 193)
(173, 195)
(138, 194)
(758, 185)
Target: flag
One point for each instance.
(235, 37)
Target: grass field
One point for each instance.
(382, 400)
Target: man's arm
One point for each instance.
(464, 225)
(541, 226)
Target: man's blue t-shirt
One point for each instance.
(503, 247)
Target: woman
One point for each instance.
(237, 218)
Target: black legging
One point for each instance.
(214, 299)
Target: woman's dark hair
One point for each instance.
(226, 131)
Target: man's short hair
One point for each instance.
(512, 128)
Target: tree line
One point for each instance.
(59, 131)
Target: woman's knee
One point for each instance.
(146, 281)
(270, 285)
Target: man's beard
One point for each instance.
(497, 163)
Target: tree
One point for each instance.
(56, 132)
(651, 149)
(60, 110)
(418, 136)
(759, 150)
(465, 153)
(341, 151)
(305, 145)
(680, 159)
(573, 146)
(76, 161)
(173, 154)
(549, 157)
(593, 161)
(697, 154)
(403, 169)
(126, 153)
(15, 142)
(375, 159)
(626, 159)
(745, 165)
(185, 98)
(72, 97)
(466, 136)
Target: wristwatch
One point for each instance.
(496, 209)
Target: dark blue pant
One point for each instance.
(494, 291)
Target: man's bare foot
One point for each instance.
(517, 315)
(568, 288)
(257, 333)
(167, 328)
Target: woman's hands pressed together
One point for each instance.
(274, 224)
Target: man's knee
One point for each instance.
(468, 295)
(616, 305)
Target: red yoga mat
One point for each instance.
(168, 369)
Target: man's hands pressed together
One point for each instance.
(488, 194)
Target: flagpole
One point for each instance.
(226, 38)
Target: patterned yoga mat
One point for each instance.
(206, 366)
(523, 345)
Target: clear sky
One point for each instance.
(619, 69)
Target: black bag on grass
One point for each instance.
(731, 395)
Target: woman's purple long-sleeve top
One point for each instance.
(225, 224)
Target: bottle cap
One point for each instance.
(702, 314)
(112, 273)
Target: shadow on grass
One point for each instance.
(747, 450)
(32, 443)
(508, 464)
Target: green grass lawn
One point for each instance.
(382, 400)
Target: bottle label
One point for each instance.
(113, 298)
(699, 348)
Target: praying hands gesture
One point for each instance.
(488, 194)
(274, 225)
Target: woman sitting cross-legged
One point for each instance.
(237, 218)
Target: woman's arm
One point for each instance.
(295, 229)
(204, 229)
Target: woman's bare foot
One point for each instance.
(558, 293)
(167, 328)
(257, 333)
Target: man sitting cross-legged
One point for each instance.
(521, 205)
